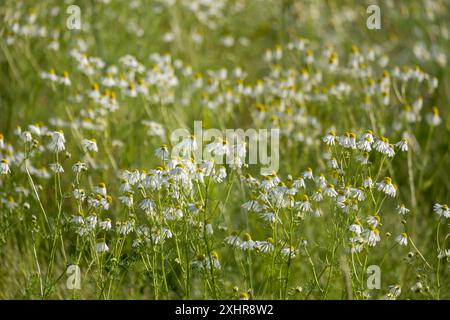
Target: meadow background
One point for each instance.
(37, 238)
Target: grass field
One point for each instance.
(108, 189)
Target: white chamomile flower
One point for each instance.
(402, 145)
(364, 144)
(442, 210)
(247, 243)
(105, 224)
(433, 118)
(101, 189)
(265, 246)
(289, 252)
(57, 143)
(101, 247)
(368, 183)
(308, 174)
(330, 139)
(127, 199)
(402, 239)
(401, 209)
(233, 239)
(89, 145)
(333, 163)
(4, 167)
(79, 167)
(148, 206)
(162, 152)
(330, 191)
(56, 168)
(356, 228)
(304, 205)
(383, 146)
(387, 187)
(348, 140)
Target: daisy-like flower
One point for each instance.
(365, 144)
(127, 199)
(330, 191)
(148, 206)
(79, 167)
(252, 205)
(368, 183)
(64, 79)
(387, 187)
(363, 158)
(382, 145)
(57, 143)
(289, 252)
(394, 292)
(247, 243)
(188, 145)
(333, 163)
(356, 228)
(348, 140)
(56, 168)
(304, 205)
(233, 239)
(89, 145)
(77, 219)
(268, 216)
(101, 246)
(374, 221)
(442, 210)
(372, 236)
(101, 189)
(330, 139)
(401, 209)
(4, 167)
(162, 152)
(105, 224)
(402, 145)
(402, 239)
(317, 196)
(433, 118)
(265, 246)
(220, 175)
(299, 183)
(308, 174)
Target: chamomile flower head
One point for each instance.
(433, 118)
(348, 140)
(79, 167)
(233, 239)
(402, 239)
(57, 143)
(383, 146)
(56, 168)
(308, 174)
(89, 145)
(4, 167)
(442, 210)
(330, 139)
(101, 246)
(330, 191)
(162, 152)
(401, 209)
(247, 243)
(105, 224)
(386, 186)
(402, 145)
(101, 189)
